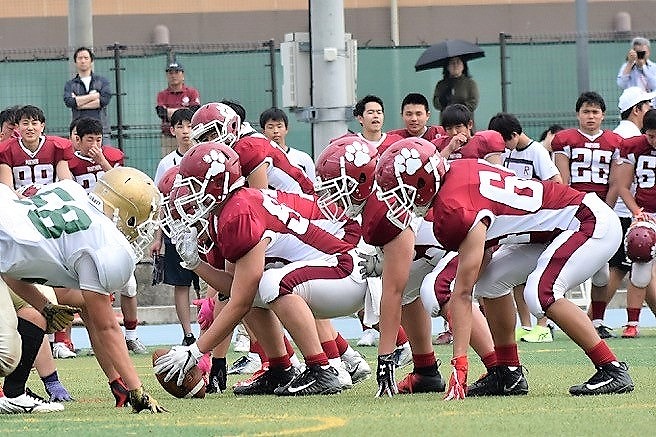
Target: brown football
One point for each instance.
(193, 385)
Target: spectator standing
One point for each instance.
(415, 114)
(638, 70)
(456, 86)
(176, 95)
(88, 94)
(275, 126)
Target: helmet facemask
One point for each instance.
(335, 199)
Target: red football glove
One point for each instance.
(205, 312)
(458, 381)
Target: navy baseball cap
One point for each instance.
(175, 66)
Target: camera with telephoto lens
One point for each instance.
(641, 54)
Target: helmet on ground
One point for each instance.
(640, 242)
(345, 177)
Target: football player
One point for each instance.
(345, 182)
(33, 158)
(638, 160)
(415, 113)
(326, 272)
(586, 157)
(87, 246)
(476, 206)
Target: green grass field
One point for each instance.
(547, 410)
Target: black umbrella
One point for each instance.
(438, 54)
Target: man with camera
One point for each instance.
(638, 70)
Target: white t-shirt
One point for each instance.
(58, 238)
(170, 160)
(533, 161)
(626, 129)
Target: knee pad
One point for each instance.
(641, 274)
(601, 278)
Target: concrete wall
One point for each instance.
(420, 22)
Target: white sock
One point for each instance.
(130, 334)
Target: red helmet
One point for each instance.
(640, 242)
(215, 122)
(165, 184)
(408, 175)
(345, 177)
(209, 172)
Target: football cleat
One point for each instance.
(369, 338)
(500, 381)
(402, 355)
(136, 346)
(266, 382)
(250, 363)
(316, 380)
(539, 334)
(27, 403)
(609, 378)
(520, 331)
(631, 331)
(344, 376)
(605, 332)
(60, 350)
(416, 383)
(356, 366)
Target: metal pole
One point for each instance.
(504, 71)
(271, 44)
(119, 94)
(80, 27)
(582, 62)
(394, 22)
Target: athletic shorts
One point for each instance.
(174, 273)
(619, 260)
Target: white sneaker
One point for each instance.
(343, 376)
(250, 363)
(369, 338)
(402, 355)
(27, 403)
(242, 343)
(60, 350)
(356, 366)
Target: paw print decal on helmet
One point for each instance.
(407, 161)
(356, 153)
(216, 161)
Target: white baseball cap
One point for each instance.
(632, 96)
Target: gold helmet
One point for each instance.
(130, 198)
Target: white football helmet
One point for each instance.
(129, 197)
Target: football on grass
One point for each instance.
(193, 385)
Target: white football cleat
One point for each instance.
(369, 338)
(60, 350)
(28, 403)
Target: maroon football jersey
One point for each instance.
(36, 167)
(638, 152)
(589, 159)
(86, 172)
(479, 146)
(255, 150)
(519, 210)
(296, 226)
(431, 133)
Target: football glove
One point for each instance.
(120, 392)
(187, 246)
(58, 317)
(140, 400)
(218, 376)
(205, 311)
(57, 391)
(458, 381)
(180, 359)
(385, 376)
(370, 265)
